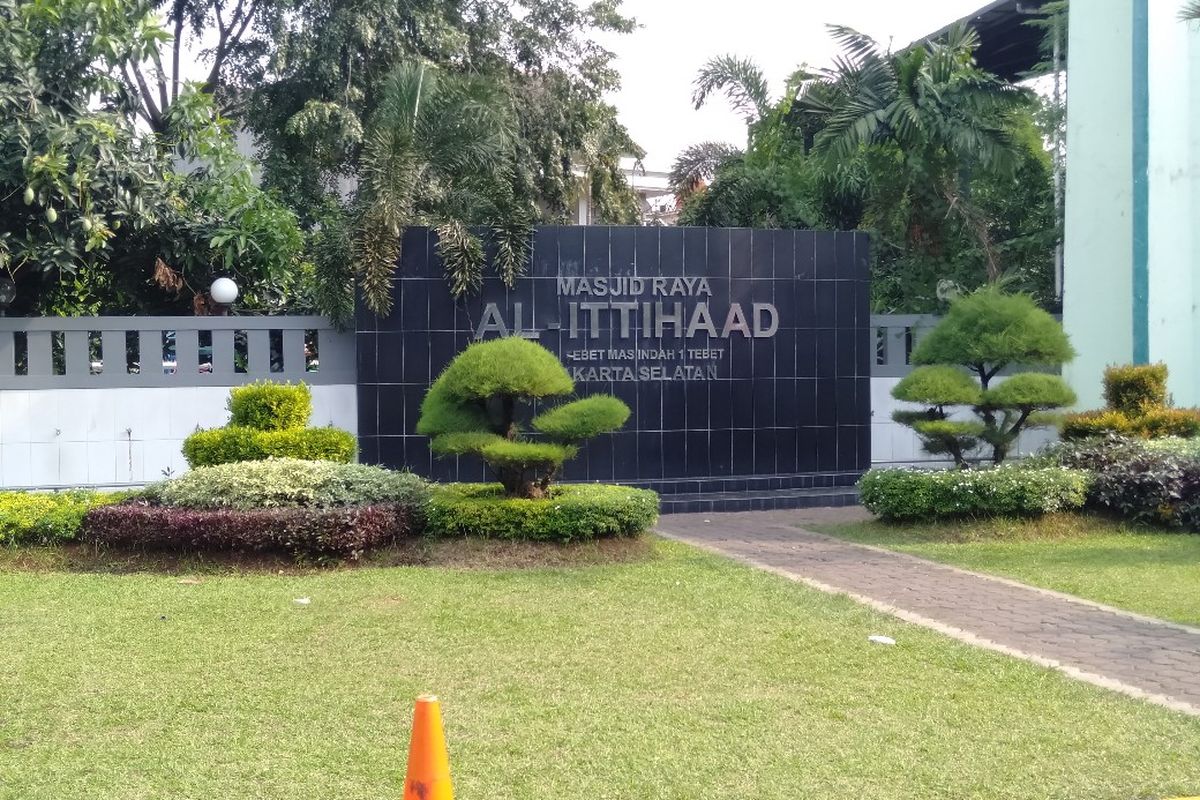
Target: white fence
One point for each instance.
(107, 401)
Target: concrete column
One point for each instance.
(1097, 284)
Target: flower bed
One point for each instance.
(305, 508)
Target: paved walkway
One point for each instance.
(1147, 658)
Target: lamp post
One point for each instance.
(8, 293)
(223, 292)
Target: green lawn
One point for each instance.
(1150, 572)
(680, 676)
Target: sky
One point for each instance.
(659, 61)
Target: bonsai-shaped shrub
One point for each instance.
(982, 334)
(1137, 405)
(475, 407)
(267, 420)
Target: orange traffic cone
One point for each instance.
(428, 763)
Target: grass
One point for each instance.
(674, 674)
(1156, 573)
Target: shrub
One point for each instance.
(473, 408)
(46, 518)
(345, 532)
(268, 406)
(983, 333)
(1183, 448)
(234, 444)
(290, 483)
(267, 421)
(1159, 422)
(313, 444)
(1137, 406)
(222, 446)
(1093, 454)
(1155, 482)
(1135, 388)
(1152, 423)
(1088, 424)
(913, 494)
(572, 512)
(1152, 488)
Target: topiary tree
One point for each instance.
(983, 333)
(475, 405)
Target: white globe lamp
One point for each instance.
(223, 291)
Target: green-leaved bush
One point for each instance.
(476, 407)
(1135, 388)
(269, 406)
(1149, 481)
(1137, 405)
(47, 518)
(267, 420)
(1005, 491)
(289, 483)
(233, 444)
(569, 513)
(982, 334)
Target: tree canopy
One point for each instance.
(101, 215)
(983, 333)
(93, 92)
(476, 407)
(940, 161)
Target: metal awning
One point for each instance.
(1007, 46)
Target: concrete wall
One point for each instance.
(125, 436)
(1174, 201)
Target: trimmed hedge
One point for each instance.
(1151, 424)
(1011, 490)
(234, 443)
(342, 532)
(1134, 389)
(572, 512)
(268, 406)
(45, 518)
(1137, 406)
(290, 483)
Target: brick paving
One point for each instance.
(1155, 660)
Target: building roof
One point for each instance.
(1007, 46)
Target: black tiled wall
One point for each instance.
(791, 411)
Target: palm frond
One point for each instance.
(462, 257)
(439, 151)
(514, 241)
(857, 45)
(1190, 11)
(740, 79)
(698, 164)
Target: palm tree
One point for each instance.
(439, 152)
(745, 87)
(1190, 11)
(697, 165)
(942, 113)
(741, 80)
